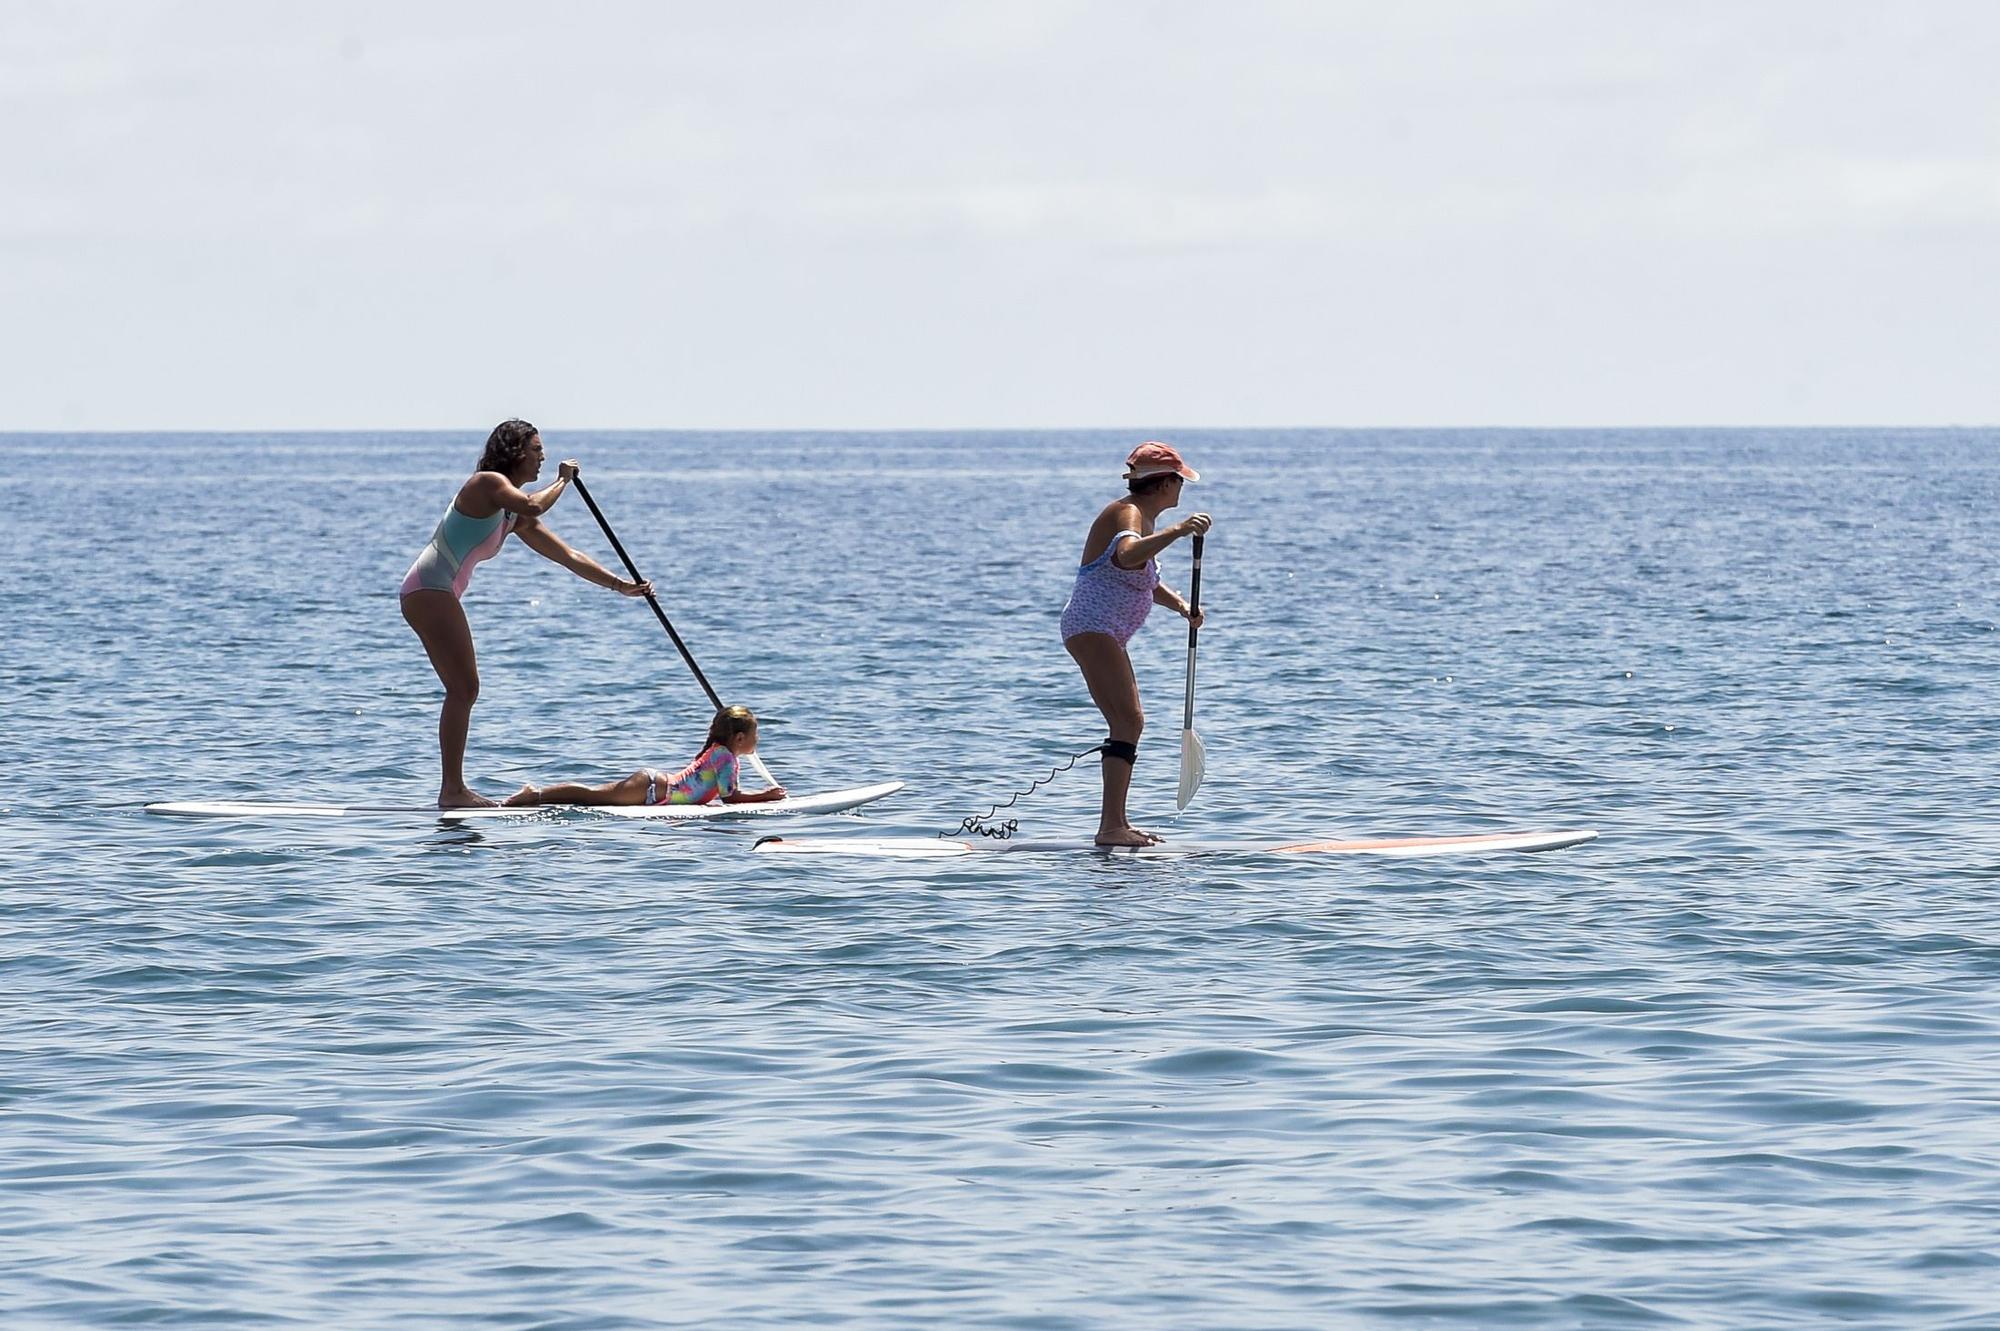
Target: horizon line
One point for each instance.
(12, 432)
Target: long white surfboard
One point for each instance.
(832, 801)
(927, 848)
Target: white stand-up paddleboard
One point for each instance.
(833, 801)
(927, 848)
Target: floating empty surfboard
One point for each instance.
(923, 848)
(832, 801)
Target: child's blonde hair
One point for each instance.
(728, 724)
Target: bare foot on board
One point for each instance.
(526, 795)
(465, 797)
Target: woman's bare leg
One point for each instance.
(440, 623)
(1107, 671)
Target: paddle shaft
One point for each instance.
(1194, 608)
(667, 624)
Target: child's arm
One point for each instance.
(735, 794)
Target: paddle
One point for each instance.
(1193, 762)
(665, 623)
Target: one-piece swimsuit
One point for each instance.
(1110, 599)
(458, 544)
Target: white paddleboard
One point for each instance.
(832, 801)
(927, 848)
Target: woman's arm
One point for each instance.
(558, 551)
(1134, 553)
(491, 489)
(1164, 595)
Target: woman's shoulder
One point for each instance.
(482, 488)
(1120, 515)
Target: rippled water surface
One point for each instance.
(1731, 1065)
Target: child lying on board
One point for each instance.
(711, 776)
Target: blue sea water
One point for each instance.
(1732, 1065)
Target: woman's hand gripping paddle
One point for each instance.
(1193, 763)
(686, 655)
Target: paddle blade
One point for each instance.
(1193, 765)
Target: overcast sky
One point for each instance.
(877, 213)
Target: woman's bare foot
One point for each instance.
(526, 795)
(1125, 836)
(464, 797)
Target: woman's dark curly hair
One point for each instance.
(506, 446)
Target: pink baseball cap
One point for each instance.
(1154, 458)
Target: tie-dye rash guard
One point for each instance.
(710, 777)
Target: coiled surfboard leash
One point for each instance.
(982, 824)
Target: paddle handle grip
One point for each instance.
(1194, 580)
(651, 600)
(1194, 607)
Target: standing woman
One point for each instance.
(1117, 584)
(488, 506)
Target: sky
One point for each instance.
(889, 214)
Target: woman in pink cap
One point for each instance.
(1116, 586)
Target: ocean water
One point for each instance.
(1732, 1065)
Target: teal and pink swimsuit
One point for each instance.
(710, 777)
(459, 543)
